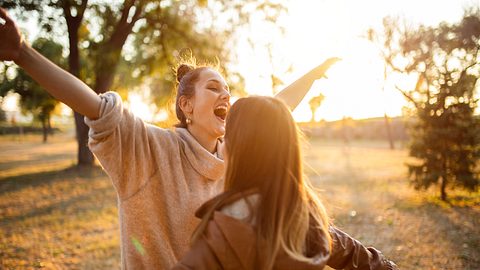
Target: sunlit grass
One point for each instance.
(54, 216)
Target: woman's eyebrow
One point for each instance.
(219, 82)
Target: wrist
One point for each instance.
(20, 58)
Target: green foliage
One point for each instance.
(446, 133)
(159, 34)
(133, 44)
(33, 98)
(166, 32)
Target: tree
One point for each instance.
(33, 98)
(3, 115)
(446, 134)
(314, 103)
(384, 42)
(158, 30)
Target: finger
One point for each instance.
(4, 15)
(333, 59)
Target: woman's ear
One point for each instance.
(186, 105)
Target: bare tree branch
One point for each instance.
(409, 97)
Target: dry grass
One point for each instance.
(55, 216)
(365, 189)
(52, 214)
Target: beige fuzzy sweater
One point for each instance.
(161, 177)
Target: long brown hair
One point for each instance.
(263, 153)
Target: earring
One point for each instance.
(189, 121)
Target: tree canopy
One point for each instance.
(134, 44)
(445, 133)
(33, 99)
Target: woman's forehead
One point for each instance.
(210, 75)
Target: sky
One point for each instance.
(316, 30)
(319, 29)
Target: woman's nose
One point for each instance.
(226, 95)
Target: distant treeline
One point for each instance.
(9, 130)
(364, 129)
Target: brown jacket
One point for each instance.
(229, 243)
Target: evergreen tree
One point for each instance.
(445, 138)
(445, 134)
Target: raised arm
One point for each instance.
(56, 81)
(293, 94)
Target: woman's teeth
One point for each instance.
(221, 112)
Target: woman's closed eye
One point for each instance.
(215, 89)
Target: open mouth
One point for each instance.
(221, 112)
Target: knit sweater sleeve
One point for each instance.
(123, 145)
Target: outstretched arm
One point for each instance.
(59, 83)
(294, 93)
(347, 253)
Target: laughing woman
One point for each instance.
(268, 217)
(161, 176)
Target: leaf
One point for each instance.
(202, 3)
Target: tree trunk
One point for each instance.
(44, 130)
(84, 155)
(443, 191)
(111, 51)
(389, 131)
(444, 178)
(49, 125)
(104, 79)
(108, 63)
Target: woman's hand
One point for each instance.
(60, 84)
(11, 38)
(294, 93)
(319, 72)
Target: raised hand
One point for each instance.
(10, 38)
(294, 93)
(56, 81)
(319, 72)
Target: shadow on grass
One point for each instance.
(74, 226)
(77, 205)
(457, 221)
(35, 159)
(18, 182)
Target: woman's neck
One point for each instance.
(203, 138)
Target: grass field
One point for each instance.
(56, 216)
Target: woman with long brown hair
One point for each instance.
(161, 176)
(268, 216)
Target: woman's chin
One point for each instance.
(220, 132)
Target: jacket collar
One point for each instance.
(202, 161)
(241, 238)
(221, 200)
